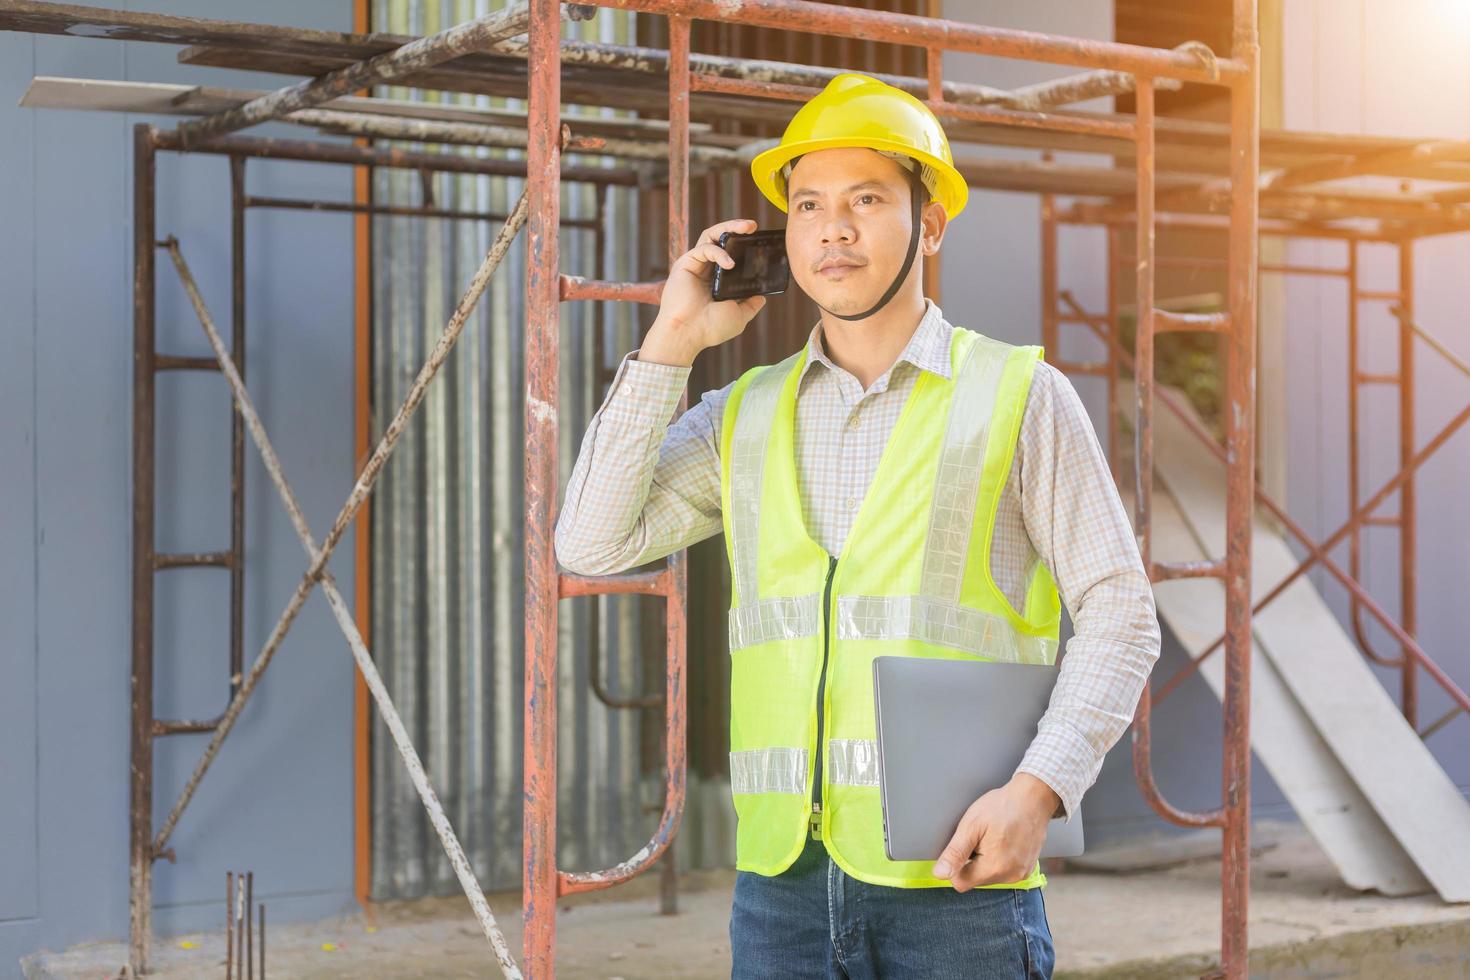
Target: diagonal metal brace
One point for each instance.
(318, 571)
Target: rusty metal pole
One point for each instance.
(1049, 339)
(1240, 421)
(1115, 416)
(229, 925)
(1143, 303)
(140, 861)
(676, 611)
(237, 424)
(543, 287)
(1354, 454)
(1408, 524)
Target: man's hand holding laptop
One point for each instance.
(1007, 827)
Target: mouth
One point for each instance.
(835, 270)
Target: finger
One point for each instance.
(982, 870)
(713, 232)
(752, 305)
(956, 852)
(698, 259)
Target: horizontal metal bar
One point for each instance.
(479, 134)
(1377, 379)
(1180, 261)
(1392, 520)
(1166, 321)
(1084, 318)
(170, 362)
(272, 148)
(1031, 98)
(396, 210)
(1098, 83)
(576, 287)
(208, 559)
(1060, 122)
(1303, 270)
(163, 728)
(1170, 571)
(739, 86)
(655, 582)
(1392, 294)
(1086, 368)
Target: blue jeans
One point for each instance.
(816, 921)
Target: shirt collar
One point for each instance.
(928, 349)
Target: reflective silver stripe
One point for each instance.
(936, 621)
(757, 413)
(776, 618)
(957, 484)
(772, 770)
(852, 761)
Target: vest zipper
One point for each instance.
(816, 818)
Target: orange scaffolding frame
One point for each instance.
(519, 51)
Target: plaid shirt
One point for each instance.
(643, 488)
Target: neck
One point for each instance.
(866, 348)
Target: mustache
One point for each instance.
(848, 257)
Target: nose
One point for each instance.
(834, 231)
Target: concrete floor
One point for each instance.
(1142, 924)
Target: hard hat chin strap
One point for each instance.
(917, 194)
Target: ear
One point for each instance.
(934, 221)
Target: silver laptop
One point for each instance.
(948, 732)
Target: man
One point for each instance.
(898, 486)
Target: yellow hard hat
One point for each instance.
(859, 110)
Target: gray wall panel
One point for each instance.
(279, 799)
(1370, 66)
(19, 875)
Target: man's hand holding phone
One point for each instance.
(689, 319)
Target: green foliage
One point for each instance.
(1191, 362)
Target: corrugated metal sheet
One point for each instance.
(447, 544)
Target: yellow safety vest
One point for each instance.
(913, 580)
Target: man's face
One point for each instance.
(849, 220)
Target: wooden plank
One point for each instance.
(1329, 678)
(101, 95)
(74, 20)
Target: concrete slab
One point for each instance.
(1304, 922)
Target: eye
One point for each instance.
(867, 197)
(803, 205)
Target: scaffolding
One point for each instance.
(1180, 174)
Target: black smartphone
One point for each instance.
(760, 269)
